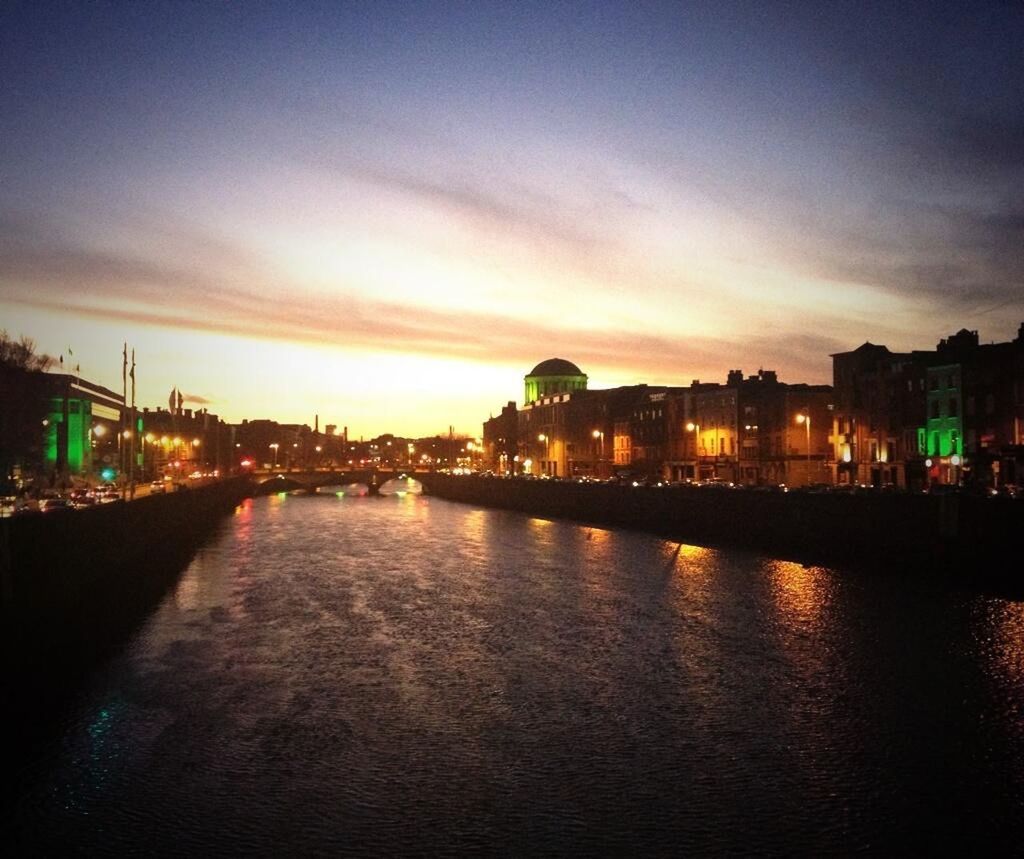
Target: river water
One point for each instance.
(408, 675)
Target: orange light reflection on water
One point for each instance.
(1005, 638)
(800, 592)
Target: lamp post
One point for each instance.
(805, 419)
(695, 429)
(274, 446)
(547, 464)
(599, 434)
(128, 489)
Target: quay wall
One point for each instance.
(958, 534)
(71, 579)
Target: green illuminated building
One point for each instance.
(81, 427)
(944, 430)
(554, 376)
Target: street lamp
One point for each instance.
(274, 446)
(695, 429)
(547, 452)
(599, 434)
(805, 419)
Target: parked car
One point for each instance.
(54, 505)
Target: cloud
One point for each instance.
(965, 258)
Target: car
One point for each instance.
(157, 487)
(54, 505)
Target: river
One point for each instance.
(408, 675)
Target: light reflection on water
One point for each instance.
(402, 675)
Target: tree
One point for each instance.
(21, 354)
(24, 403)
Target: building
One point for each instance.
(501, 440)
(83, 434)
(553, 376)
(973, 426)
(176, 443)
(951, 415)
(879, 413)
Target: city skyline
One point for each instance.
(387, 216)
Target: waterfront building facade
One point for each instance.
(953, 415)
(501, 440)
(83, 431)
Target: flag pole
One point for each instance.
(124, 410)
(134, 432)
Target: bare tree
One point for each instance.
(21, 354)
(24, 401)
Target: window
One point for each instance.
(950, 381)
(935, 408)
(952, 407)
(933, 383)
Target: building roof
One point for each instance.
(556, 367)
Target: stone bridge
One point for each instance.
(269, 481)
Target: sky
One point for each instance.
(386, 214)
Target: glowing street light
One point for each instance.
(695, 429)
(274, 446)
(805, 419)
(547, 452)
(599, 434)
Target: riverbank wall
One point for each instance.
(73, 581)
(949, 534)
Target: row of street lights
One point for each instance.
(801, 418)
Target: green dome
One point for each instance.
(554, 376)
(556, 367)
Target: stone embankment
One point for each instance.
(73, 579)
(965, 535)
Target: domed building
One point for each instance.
(554, 376)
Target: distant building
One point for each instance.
(745, 430)
(177, 443)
